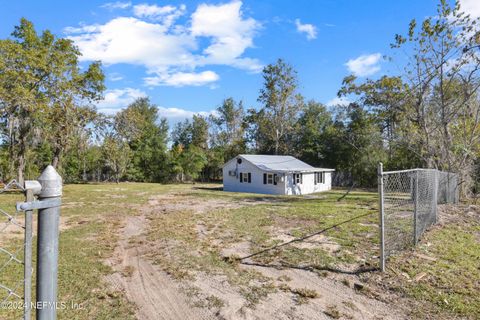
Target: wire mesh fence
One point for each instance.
(12, 251)
(408, 205)
(448, 191)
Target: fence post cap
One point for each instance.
(51, 183)
(33, 185)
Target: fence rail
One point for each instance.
(408, 205)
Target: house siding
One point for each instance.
(232, 183)
(285, 187)
(308, 184)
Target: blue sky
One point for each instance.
(187, 56)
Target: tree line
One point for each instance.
(427, 116)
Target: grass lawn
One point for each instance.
(444, 269)
(197, 228)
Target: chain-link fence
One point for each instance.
(408, 205)
(448, 187)
(12, 250)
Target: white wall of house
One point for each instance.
(285, 184)
(232, 183)
(308, 184)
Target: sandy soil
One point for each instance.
(15, 229)
(157, 296)
(178, 202)
(333, 295)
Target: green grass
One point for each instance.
(451, 280)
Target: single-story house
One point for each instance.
(274, 175)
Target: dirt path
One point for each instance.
(150, 289)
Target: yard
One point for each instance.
(157, 251)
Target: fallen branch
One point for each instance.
(313, 268)
(346, 193)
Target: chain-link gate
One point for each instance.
(408, 205)
(16, 238)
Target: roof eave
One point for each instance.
(300, 170)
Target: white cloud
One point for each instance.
(471, 7)
(171, 52)
(229, 32)
(364, 65)
(83, 28)
(343, 101)
(181, 79)
(116, 99)
(309, 29)
(116, 5)
(114, 76)
(146, 10)
(133, 41)
(178, 114)
(166, 14)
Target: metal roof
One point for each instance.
(280, 163)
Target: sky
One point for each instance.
(188, 56)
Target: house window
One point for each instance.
(297, 178)
(319, 177)
(245, 177)
(270, 178)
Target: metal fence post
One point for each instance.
(457, 189)
(48, 232)
(27, 259)
(415, 210)
(435, 194)
(382, 217)
(32, 188)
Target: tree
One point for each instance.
(281, 105)
(199, 133)
(441, 105)
(311, 134)
(182, 133)
(117, 155)
(227, 136)
(430, 115)
(190, 148)
(43, 93)
(229, 128)
(364, 145)
(193, 161)
(187, 163)
(138, 125)
(385, 99)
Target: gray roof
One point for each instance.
(280, 163)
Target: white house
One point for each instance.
(274, 175)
